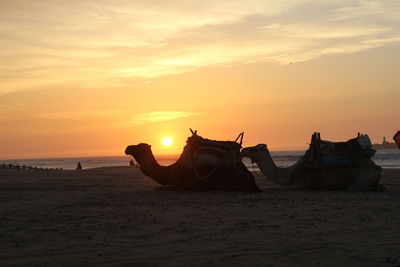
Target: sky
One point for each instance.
(89, 77)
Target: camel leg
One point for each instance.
(367, 178)
(283, 176)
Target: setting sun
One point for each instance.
(167, 141)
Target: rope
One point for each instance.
(194, 163)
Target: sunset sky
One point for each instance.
(89, 77)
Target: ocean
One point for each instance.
(386, 158)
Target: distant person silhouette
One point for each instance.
(79, 167)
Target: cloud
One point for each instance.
(7, 110)
(82, 114)
(117, 117)
(15, 117)
(48, 43)
(159, 116)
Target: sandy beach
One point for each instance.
(115, 216)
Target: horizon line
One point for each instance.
(72, 157)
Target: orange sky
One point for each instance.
(90, 78)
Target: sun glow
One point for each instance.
(167, 141)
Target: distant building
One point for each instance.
(385, 145)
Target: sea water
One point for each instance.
(386, 158)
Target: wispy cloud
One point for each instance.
(115, 117)
(7, 111)
(14, 112)
(158, 116)
(98, 41)
(82, 114)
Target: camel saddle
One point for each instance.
(334, 165)
(200, 151)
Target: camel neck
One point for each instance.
(267, 166)
(281, 176)
(150, 167)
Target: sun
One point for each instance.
(167, 141)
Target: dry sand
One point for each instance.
(117, 217)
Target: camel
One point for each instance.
(204, 165)
(362, 176)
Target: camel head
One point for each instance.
(138, 151)
(255, 153)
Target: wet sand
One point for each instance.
(117, 217)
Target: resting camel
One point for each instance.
(187, 174)
(365, 177)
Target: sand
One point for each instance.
(117, 217)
